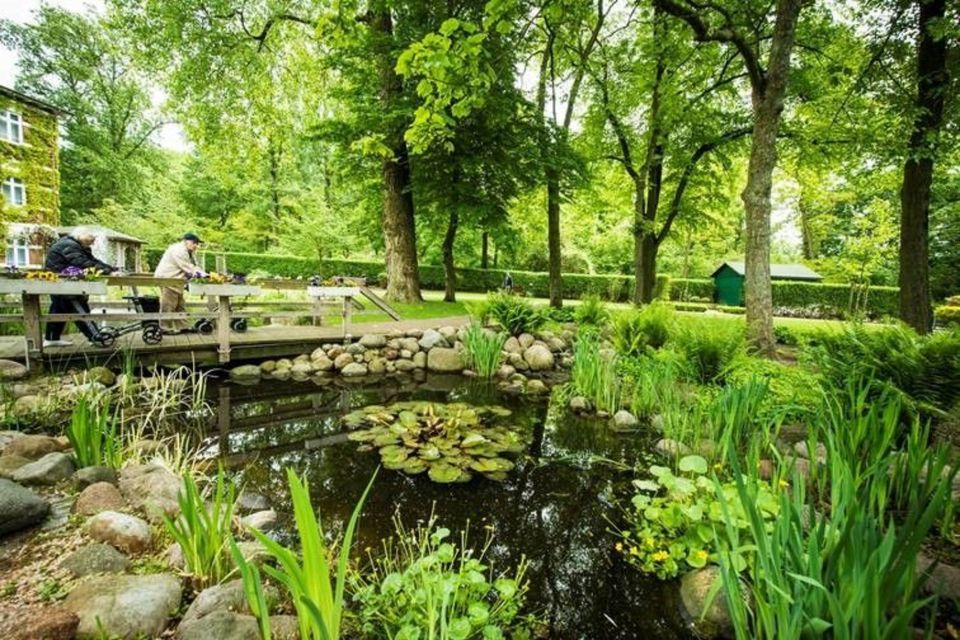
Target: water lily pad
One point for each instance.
(472, 439)
(385, 439)
(430, 452)
(414, 466)
(444, 473)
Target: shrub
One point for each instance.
(425, 586)
(636, 332)
(94, 435)
(661, 288)
(710, 348)
(591, 311)
(594, 373)
(786, 336)
(948, 315)
(482, 348)
(515, 314)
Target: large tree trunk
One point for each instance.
(485, 250)
(553, 238)
(399, 230)
(449, 270)
(932, 81)
(767, 109)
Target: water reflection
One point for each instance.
(555, 509)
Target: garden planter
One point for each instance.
(333, 292)
(54, 288)
(231, 290)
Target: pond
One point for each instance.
(556, 508)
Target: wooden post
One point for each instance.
(347, 315)
(221, 263)
(317, 312)
(223, 419)
(31, 327)
(223, 328)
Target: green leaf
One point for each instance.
(449, 26)
(693, 464)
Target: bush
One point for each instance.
(591, 311)
(661, 288)
(837, 300)
(636, 332)
(710, 348)
(947, 315)
(594, 373)
(515, 314)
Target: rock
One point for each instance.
(536, 387)
(253, 551)
(98, 497)
(802, 449)
(12, 370)
(623, 419)
(301, 359)
(342, 360)
(942, 579)
(420, 360)
(512, 345)
(354, 369)
(390, 354)
(268, 366)
(432, 338)
(30, 405)
(556, 345)
(671, 448)
(373, 341)
(32, 447)
(284, 628)
(301, 369)
(19, 507)
(245, 372)
(283, 363)
(408, 344)
(173, 556)
(100, 375)
(706, 448)
(516, 361)
(446, 360)
(48, 470)
(414, 333)
(323, 363)
(95, 558)
(355, 349)
(405, 365)
(526, 340)
(9, 465)
(377, 365)
(220, 625)
(39, 623)
(250, 502)
(152, 488)
(125, 606)
(125, 532)
(262, 520)
(765, 469)
(579, 404)
(656, 421)
(91, 475)
(695, 589)
(449, 333)
(6, 437)
(539, 358)
(518, 377)
(228, 596)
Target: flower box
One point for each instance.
(333, 292)
(54, 288)
(232, 290)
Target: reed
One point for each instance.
(483, 349)
(94, 434)
(594, 374)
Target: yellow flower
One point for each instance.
(634, 551)
(660, 556)
(648, 542)
(702, 554)
(718, 466)
(784, 484)
(618, 546)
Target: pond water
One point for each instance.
(556, 508)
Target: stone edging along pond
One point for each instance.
(439, 350)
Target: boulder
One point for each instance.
(408, 344)
(355, 349)
(301, 369)
(98, 497)
(377, 365)
(512, 345)
(322, 363)
(712, 622)
(414, 333)
(9, 465)
(87, 476)
(48, 470)
(127, 606)
(445, 360)
(19, 507)
(405, 365)
(38, 623)
(100, 375)
(95, 558)
(268, 366)
(941, 579)
(125, 532)
(284, 628)
(536, 387)
(353, 370)
(449, 333)
(228, 596)
(220, 625)
(245, 372)
(432, 338)
(29, 405)
(802, 449)
(373, 341)
(420, 360)
(173, 556)
(12, 370)
(6, 437)
(283, 363)
(556, 344)
(539, 358)
(250, 502)
(152, 488)
(623, 419)
(342, 360)
(505, 371)
(32, 447)
(253, 552)
(579, 404)
(261, 520)
(526, 340)
(669, 447)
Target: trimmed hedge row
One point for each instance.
(833, 299)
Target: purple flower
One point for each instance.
(72, 272)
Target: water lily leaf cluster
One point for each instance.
(450, 442)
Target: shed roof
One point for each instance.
(782, 271)
(34, 102)
(107, 232)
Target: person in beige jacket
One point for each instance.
(177, 262)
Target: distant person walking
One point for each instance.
(178, 261)
(72, 251)
(507, 284)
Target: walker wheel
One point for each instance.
(106, 338)
(204, 326)
(152, 335)
(239, 325)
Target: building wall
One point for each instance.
(35, 162)
(729, 287)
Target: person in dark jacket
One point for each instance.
(72, 251)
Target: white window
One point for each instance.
(18, 252)
(14, 192)
(11, 127)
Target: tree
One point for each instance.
(768, 88)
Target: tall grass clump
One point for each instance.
(94, 434)
(652, 386)
(592, 311)
(315, 586)
(203, 530)
(637, 332)
(483, 349)
(594, 373)
(710, 348)
(514, 313)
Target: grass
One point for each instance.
(94, 435)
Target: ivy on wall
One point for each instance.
(35, 162)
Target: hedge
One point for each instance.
(832, 299)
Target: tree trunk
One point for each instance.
(932, 82)
(449, 271)
(399, 230)
(767, 108)
(553, 238)
(647, 274)
(485, 250)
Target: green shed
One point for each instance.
(729, 277)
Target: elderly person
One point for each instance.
(72, 251)
(177, 262)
